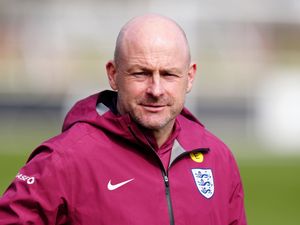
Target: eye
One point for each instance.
(169, 74)
(138, 73)
(141, 73)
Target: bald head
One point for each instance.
(149, 31)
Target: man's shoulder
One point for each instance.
(194, 134)
(69, 142)
(70, 136)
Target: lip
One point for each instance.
(153, 107)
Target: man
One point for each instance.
(134, 155)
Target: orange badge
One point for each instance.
(197, 157)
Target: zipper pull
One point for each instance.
(166, 179)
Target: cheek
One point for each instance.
(131, 85)
(130, 93)
(178, 98)
(178, 90)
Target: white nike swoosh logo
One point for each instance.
(112, 187)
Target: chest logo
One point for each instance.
(112, 187)
(197, 157)
(204, 181)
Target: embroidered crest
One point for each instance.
(204, 181)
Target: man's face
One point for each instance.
(152, 79)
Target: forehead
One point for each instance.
(150, 57)
(153, 51)
(153, 38)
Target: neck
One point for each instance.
(162, 135)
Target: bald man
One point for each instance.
(133, 155)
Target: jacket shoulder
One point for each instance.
(64, 143)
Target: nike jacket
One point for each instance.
(103, 169)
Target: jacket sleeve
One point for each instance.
(236, 202)
(38, 193)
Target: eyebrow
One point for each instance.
(143, 68)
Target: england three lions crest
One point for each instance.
(204, 181)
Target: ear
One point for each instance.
(111, 74)
(191, 76)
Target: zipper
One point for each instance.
(170, 208)
(165, 178)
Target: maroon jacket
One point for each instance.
(102, 169)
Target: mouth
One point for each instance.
(153, 107)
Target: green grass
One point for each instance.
(9, 166)
(272, 188)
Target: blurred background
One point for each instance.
(247, 89)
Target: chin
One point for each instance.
(152, 121)
(154, 125)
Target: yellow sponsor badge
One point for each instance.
(197, 157)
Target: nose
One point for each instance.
(155, 85)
